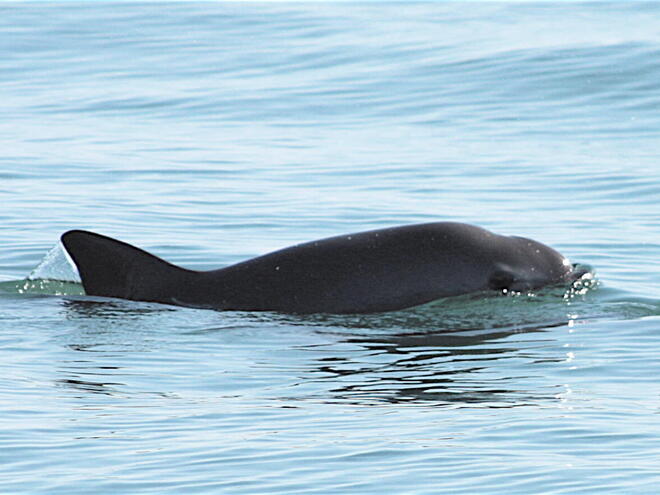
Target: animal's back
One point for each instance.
(380, 270)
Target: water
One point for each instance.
(209, 133)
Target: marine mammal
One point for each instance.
(366, 272)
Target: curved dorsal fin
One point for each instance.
(112, 268)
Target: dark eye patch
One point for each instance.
(501, 279)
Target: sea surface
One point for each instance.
(209, 133)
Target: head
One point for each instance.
(527, 264)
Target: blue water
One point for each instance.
(208, 133)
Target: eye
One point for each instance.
(501, 280)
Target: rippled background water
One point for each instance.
(208, 133)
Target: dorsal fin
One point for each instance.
(112, 268)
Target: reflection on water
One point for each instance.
(443, 353)
(478, 350)
(110, 338)
(108, 309)
(444, 368)
(87, 386)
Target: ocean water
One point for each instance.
(208, 133)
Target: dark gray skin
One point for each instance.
(368, 272)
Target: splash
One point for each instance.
(55, 275)
(56, 265)
(582, 285)
(44, 287)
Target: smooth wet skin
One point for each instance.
(367, 272)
